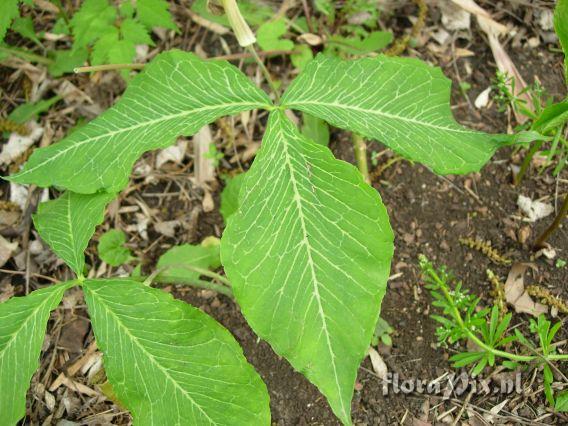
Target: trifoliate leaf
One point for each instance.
(176, 94)
(401, 102)
(65, 61)
(155, 13)
(92, 21)
(67, 224)
(178, 261)
(315, 129)
(168, 362)
(111, 248)
(230, 196)
(135, 32)
(308, 256)
(23, 321)
(269, 36)
(8, 11)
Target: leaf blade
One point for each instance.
(169, 374)
(401, 102)
(23, 321)
(67, 224)
(176, 94)
(299, 265)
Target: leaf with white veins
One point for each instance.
(176, 94)
(308, 255)
(168, 362)
(67, 224)
(401, 102)
(23, 321)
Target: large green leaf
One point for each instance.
(23, 321)
(176, 94)
(561, 28)
(308, 255)
(68, 223)
(401, 102)
(168, 362)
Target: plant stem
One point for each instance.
(108, 67)
(554, 225)
(265, 72)
(360, 149)
(527, 161)
(28, 56)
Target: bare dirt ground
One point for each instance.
(429, 214)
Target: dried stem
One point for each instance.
(540, 241)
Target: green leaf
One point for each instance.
(65, 61)
(315, 129)
(401, 102)
(176, 94)
(28, 111)
(356, 45)
(135, 32)
(561, 28)
(155, 13)
(179, 259)
(269, 36)
(168, 362)
(561, 404)
(230, 196)
(67, 224)
(23, 321)
(8, 11)
(308, 255)
(25, 27)
(92, 21)
(302, 56)
(552, 117)
(111, 248)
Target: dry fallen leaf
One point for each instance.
(167, 228)
(174, 153)
(18, 144)
(534, 210)
(516, 295)
(7, 250)
(379, 366)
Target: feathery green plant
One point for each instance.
(463, 320)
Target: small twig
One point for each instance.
(108, 67)
(265, 72)
(540, 241)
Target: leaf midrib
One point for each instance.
(150, 356)
(315, 280)
(298, 104)
(136, 126)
